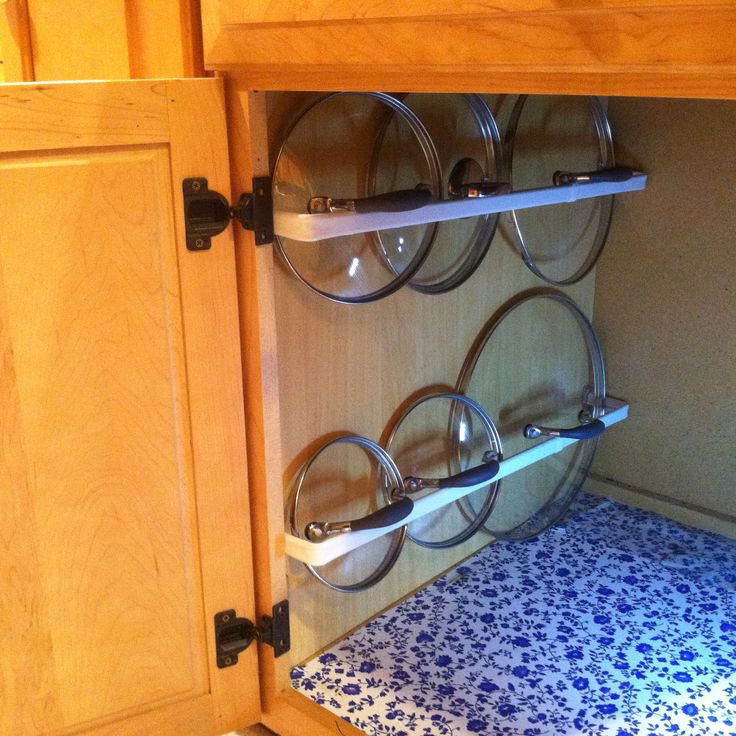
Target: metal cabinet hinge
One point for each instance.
(233, 634)
(207, 213)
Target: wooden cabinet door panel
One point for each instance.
(124, 526)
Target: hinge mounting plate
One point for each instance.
(234, 634)
(207, 213)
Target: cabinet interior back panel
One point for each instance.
(350, 369)
(666, 304)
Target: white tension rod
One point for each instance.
(330, 549)
(311, 228)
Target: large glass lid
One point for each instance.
(466, 138)
(437, 437)
(546, 134)
(329, 152)
(342, 481)
(537, 362)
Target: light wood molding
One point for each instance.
(235, 12)
(211, 329)
(684, 513)
(292, 712)
(620, 48)
(249, 157)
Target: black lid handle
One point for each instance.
(402, 200)
(616, 173)
(318, 531)
(483, 473)
(582, 432)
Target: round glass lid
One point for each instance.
(435, 439)
(546, 134)
(337, 487)
(327, 155)
(538, 362)
(467, 141)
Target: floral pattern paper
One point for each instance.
(616, 622)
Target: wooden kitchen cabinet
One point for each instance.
(617, 48)
(148, 531)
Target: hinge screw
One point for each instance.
(196, 186)
(199, 243)
(225, 617)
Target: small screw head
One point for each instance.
(228, 660)
(196, 186)
(225, 617)
(199, 243)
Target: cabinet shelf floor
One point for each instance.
(616, 622)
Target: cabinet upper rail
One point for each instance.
(623, 47)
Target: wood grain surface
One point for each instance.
(125, 523)
(614, 48)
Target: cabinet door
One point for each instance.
(124, 521)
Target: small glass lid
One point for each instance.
(436, 437)
(344, 480)
(467, 141)
(538, 362)
(559, 243)
(328, 152)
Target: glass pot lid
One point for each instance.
(538, 361)
(546, 134)
(340, 482)
(328, 152)
(467, 142)
(435, 437)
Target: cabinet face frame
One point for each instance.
(619, 47)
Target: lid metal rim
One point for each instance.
(494, 159)
(495, 443)
(607, 160)
(430, 154)
(398, 537)
(595, 355)
(520, 532)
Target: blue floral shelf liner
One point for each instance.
(616, 622)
